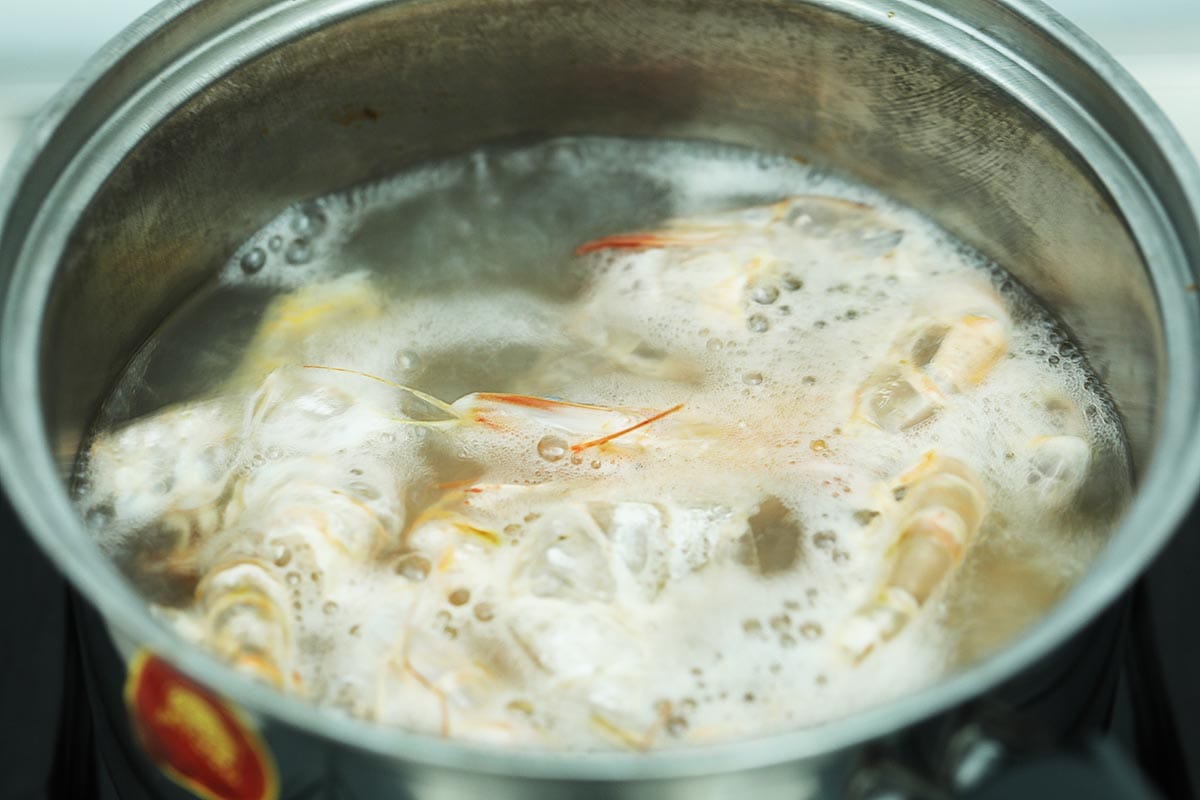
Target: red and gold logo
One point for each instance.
(196, 738)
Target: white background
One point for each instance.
(42, 42)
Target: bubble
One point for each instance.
(752, 626)
(808, 380)
(459, 597)
(309, 222)
(677, 726)
(595, 464)
(299, 252)
(292, 578)
(818, 445)
(99, 516)
(715, 345)
(275, 244)
(757, 323)
(413, 566)
(764, 295)
(825, 540)
(865, 516)
(752, 378)
(283, 556)
(791, 283)
(552, 448)
(811, 630)
(484, 612)
(330, 607)
(254, 260)
(365, 490)
(407, 360)
(781, 622)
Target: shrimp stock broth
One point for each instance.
(433, 453)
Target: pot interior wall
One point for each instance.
(363, 95)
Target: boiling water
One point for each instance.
(494, 570)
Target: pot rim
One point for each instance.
(28, 471)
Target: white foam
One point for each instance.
(626, 607)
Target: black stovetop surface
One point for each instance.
(43, 747)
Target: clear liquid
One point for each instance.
(458, 278)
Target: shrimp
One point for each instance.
(174, 470)
(243, 604)
(583, 543)
(947, 349)
(167, 475)
(294, 317)
(499, 420)
(718, 268)
(728, 264)
(934, 514)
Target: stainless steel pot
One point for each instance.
(205, 118)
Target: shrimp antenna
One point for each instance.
(579, 448)
(428, 398)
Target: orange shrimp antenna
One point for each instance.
(644, 240)
(623, 241)
(579, 448)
